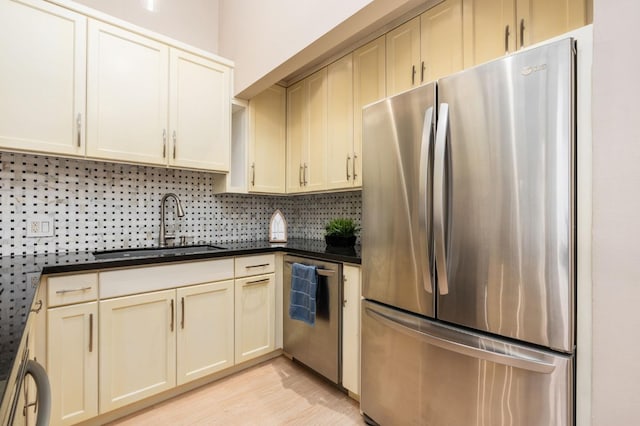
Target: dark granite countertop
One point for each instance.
(19, 276)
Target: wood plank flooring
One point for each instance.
(277, 392)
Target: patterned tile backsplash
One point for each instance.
(98, 206)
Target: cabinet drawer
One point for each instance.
(153, 278)
(255, 265)
(68, 289)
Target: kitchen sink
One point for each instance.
(156, 251)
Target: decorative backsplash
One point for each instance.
(98, 206)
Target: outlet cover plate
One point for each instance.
(40, 225)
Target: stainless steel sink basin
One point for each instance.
(156, 251)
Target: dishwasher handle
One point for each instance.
(321, 271)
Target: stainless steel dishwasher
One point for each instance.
(319, 346)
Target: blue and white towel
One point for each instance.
(304, 284)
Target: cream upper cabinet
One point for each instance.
(315, 157)
(254, 316)
(340, 150)
(539, 20)
(127, 96)
(425, 48)
(205, 329)
(351, 329)
(72, 362)
(267, 141)
(441, 40)
(137, 347)
(149, 103)
(307, 134)
(369, 83)
(199, 112)
(296, 136)
(43, 69)
(495, 27)
(403, 57)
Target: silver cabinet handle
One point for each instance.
(413, 74)
(507, 33)
(424, 189)
(304, 175)
(262, 265)
(172, 314)
(182, 316)
(253, 174)
(79, 129)
(73, 290)
(164, 143)
(90, 332)
(300, 175)
(348, 160)
(521, 32)
(265, 280)
(439, 197)
(355, 175)
(175, 140)
(512, 360)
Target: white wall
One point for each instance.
(616, 214)
(270, 39)
(194, 22)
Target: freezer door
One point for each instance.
(504, 197)
(418, 372)
(397, 150)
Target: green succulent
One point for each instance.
(341, 227)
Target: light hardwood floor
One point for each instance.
(277, 392)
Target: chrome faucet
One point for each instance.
(163, 231)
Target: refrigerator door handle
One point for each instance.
(439, 197)
(511, 360)
(425, 201)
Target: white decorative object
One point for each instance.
(278, 228)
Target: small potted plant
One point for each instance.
(341, 232)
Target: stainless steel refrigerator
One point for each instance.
(469, 248)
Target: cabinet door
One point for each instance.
(340, 123)
(441, 40)
(403, 57)
(254, 316)
(539, 20)
(199, 112)
(43, 69)
(72, 362)
(296, 136)
(351, 329)
(315, 153)
(205, 329)
(369, 84)
(267, 149)
(137, 348)
(127, 94)
(489, 30)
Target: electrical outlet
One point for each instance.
(33, 278)
(39, 225)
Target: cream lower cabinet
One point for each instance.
(137, 347)
(351, 328)
(43, 73)
(72, 362)
(254, 316)
(205, 330)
